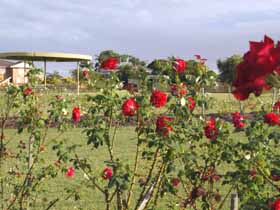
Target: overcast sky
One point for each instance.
(147, 29)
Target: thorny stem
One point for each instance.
(90, 177)
(157, 182)
(224, 200)
(158, 188)
(148, 177)
(135, 165)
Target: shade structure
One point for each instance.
(45, 56)
(48, 57)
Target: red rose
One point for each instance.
(271, 119)
(110, 64)
(70, 172)
(191, 103)
(210, 130)
(27, 91)
(276, 204)
(163, 126)
(158, 98)
(175, 182)
(237, 120)
(179, 65)
(129, 107)
(107, 173)
(260, 61)
(85, 73)
(178, 90)
(76, 114)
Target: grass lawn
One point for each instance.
(90, 199)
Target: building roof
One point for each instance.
(5, 63)
(45, 56)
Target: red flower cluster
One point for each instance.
(237, 120)
(276, 204)
(70, 172)
(175, 182)
(271, 118)
(276, 107)
(85, 73)
(179, 65)
(107, 173)
(110, 64)
(163, 126)
(191, 103)
(27, 91)
(76, 114)
(261, 60)
(129, 107)
(210, 130)
(178, 90)
(158, 98)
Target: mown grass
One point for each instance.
(91, 199)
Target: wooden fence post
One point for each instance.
(234, 201)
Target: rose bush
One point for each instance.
(181, 154)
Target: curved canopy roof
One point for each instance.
(45, 56)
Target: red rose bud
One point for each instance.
(175, 182)
(276, 107)
(110, 64)
(178, 90)
(253, 173)
(197, 192)
(179, 65)
(210, 130)
(129, 107)
(70, 172)
(158, 98)
(215, 178)
(276, 204)
(76, 114)
(163, 125)
(27, 91)
(85, 73)
(271, 119)
(107, 173)
(191, 103)
(237, 120)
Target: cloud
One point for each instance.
(147, 29)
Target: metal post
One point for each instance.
(234, 201)
(24, 69)
(45, 74)
(78, 77)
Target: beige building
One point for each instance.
(13, 72)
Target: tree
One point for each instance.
(227, 68)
